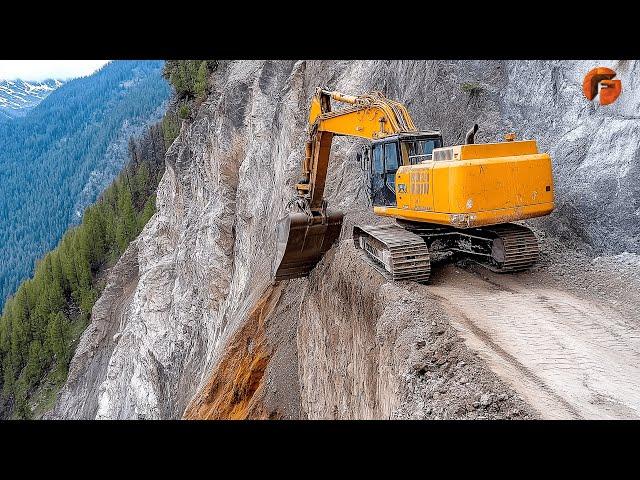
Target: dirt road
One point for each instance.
(569, 355)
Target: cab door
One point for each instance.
(383, 173)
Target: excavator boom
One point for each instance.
(369, 116)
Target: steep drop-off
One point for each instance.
(204, 334)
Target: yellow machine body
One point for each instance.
(460, 198)
(475, 185)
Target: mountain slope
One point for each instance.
(55, 161)
(191, 326)
(41, 323)
(18, 97)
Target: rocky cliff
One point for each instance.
(191, 325)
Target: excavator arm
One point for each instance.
(304, 237)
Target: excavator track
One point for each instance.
(514, 248)
(395, 252)
(503, 248)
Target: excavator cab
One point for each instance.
(389, 153)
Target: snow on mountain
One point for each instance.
(17, 97)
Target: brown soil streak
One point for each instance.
(235, 389)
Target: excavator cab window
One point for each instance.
(378, 162)
(391, 157)
(417, 151)
(391, 165)
(385, 158)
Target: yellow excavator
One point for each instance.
(459, 198)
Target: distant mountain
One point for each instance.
(58, 158)
(17, 97)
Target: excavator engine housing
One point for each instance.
(467, 186)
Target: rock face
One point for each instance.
(95, 349)
(181, 317)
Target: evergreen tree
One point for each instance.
(127, 225)
(200, 86)
(33, 368)
(189, 77)
(56, 343)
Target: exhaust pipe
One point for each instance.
(471, 135)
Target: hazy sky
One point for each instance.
(43, 69)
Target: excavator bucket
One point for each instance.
(301, 243)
